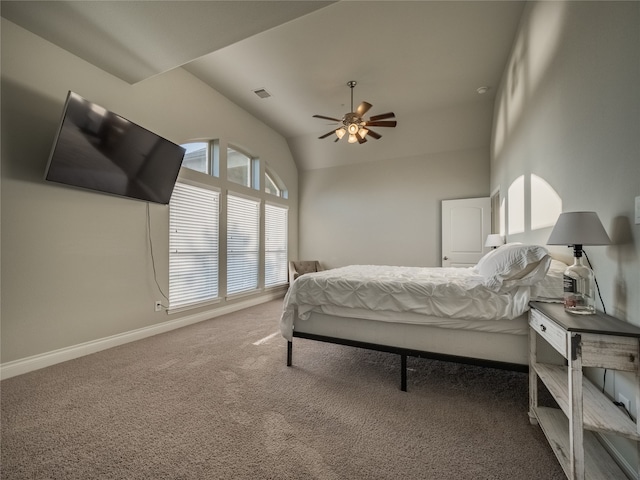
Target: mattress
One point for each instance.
(404, 295)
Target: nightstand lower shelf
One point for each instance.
(600, 414)
(598, 463)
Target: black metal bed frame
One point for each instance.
(404, 353)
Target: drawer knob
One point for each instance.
(543, 328)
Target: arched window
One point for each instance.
(240, 168)
(196, 262)
(197, 157)
(273, 185)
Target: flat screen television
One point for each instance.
(99, 150)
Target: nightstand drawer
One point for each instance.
(552, 333)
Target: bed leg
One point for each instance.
(403, 372)
(289, 353)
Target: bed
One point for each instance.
(470, 315)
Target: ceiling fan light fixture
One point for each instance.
(354, 123)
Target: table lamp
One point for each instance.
(494, 240)
(576, 229)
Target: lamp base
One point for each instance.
(579, 288)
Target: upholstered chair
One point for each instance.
(300, 267)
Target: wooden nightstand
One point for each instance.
(584, 341)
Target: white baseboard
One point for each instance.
(36, 362)
(618, 457)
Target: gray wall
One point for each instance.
(76, 265)
(568, 112)
(387, 211)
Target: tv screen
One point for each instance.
(99, 150)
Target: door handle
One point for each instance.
(446, 258)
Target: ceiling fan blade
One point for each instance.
(327, 134)
(373, 134)
(391, 123)
(327, 118)
(382, 116)
(360, 139)
(363, 108)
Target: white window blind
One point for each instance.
(243, 230)
(193, 245)
(275, 255)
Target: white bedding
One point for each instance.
(457, 293)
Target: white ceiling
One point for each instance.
(409, 57)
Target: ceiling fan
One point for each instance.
(355, 125)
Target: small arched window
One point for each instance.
(240, 167)
(197, 157)
(273, 185)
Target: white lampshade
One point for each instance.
(494, 240)
(578, 228)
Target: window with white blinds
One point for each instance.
(275, 253)
(243, 231)
(193, 245)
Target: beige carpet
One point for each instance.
(204, 402)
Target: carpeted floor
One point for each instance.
(205, 402)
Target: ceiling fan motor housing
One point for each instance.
(351, 119)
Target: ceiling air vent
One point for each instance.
(262, 93)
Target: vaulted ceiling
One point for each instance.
(410, 57)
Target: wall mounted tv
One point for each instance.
(99, 150)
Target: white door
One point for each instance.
(465, 226)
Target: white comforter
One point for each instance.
(443, 292)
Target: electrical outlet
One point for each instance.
(158, 305)
(624, 401)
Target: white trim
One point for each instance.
(200, 184)
(252, 196)
(276, 203)
(618, 457)
(36, 362)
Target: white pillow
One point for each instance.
(491, 253)
(550, 288)
(513, 265)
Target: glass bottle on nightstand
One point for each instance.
(579, 287)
